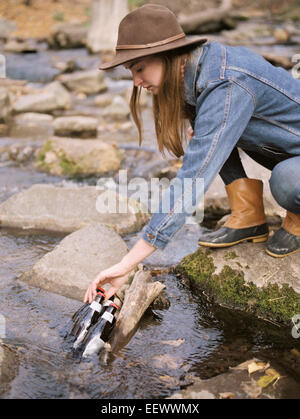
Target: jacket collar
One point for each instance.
(191, 73)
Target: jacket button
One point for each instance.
(150, 236)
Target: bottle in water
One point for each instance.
(100, 332)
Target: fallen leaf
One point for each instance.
(176, 343)
(266, 380)
(227, 395)
(243, 365)
(272, 373)
(166, 360)
(253, 366)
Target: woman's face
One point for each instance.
(147, 72)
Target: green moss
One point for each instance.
(44, 150)
(68, 166)
(230, 289)
(230, 255)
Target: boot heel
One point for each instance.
(260, 239)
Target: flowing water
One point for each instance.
(149, 366)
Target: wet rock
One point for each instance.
(73, 157)
(76, 126)
(246, 278)
(277, 60)
(20, 153)
(20, 46)
(9, 364)
(50, 208)
(89, 82)
(68, 35)
(239, 383)
(161, 302)
(52, 98)
(103, 100)
(281, 35)
(5, 103)
(30, 124)
(247, 33)
(118, 110)
(73, 264)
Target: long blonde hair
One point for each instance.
(169, 110)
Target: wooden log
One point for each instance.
(197, 21)
(138, 298)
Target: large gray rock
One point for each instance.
(73, 264)
(74, 157)
(89, 82)
(53, 97)
(68, 35)
(118, 110)
(241, 383)
(9, 364)
(245, 277)
(66, 210)
(5, 104)
(76, 126)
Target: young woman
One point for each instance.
(232, 98)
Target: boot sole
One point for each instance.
(275, 255)
(255, 239)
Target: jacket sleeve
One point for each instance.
(223, 111)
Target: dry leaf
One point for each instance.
(166, 360)
(227, 395)
(272, 373)
(244, 365)
(176, 343)
(253, 366)
(266, 380)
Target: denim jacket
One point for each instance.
(241, 100)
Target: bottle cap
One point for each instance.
(101, 290)
(101, 293)
(114, 305)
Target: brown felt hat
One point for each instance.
(148, 30)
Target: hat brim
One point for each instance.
(124, 56)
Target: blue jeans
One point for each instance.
(284, 181)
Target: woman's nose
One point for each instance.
(137, 81)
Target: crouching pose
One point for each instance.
(232, 98)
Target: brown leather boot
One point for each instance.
(286, 240)
(247, 220)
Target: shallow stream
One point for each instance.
(148, 367)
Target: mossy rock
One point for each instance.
(227, 286)
(73, 157)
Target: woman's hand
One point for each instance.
(116, 275)
(190, 133)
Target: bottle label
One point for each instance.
(108, 316)
(96, 306)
